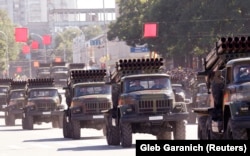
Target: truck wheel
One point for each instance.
(210, 135)
(126, 134)
(76, 129)
(66, 127)
(201, 131)
(235, 133)
(164, 135)
(112, 132)
(179, 130)
(11, 119)
(29, 122)
(55, 123)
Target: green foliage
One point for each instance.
(185, 27)
(7, 40)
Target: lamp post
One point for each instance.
(45, 58)
(106, 54)
(7, 53)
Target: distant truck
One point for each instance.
(42, 104)
(43, 70)
(59, 71)
(143, 102)
(227, 76)
(15, 102)
(4, 88)
(87, 95)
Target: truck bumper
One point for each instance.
(46, 114)
(154, 118)
(97, 117)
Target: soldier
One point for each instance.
(217, 92)
(136, 86)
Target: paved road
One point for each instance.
(45, 140)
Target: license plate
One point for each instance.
(155, 117)
(98, 116)
(62, 80)
(46, 113)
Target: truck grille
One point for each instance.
(45, 106)
(154, 106)
(19, 105)
(96, 107)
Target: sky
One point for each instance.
(86, 4)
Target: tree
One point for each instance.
(186, 28)
(7, 41)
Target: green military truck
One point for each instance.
(43, 71)
(59, 71)
(149, 108)
(227, 76)
(43, 104)
(4, 88)
(87, 95)
(15, 102)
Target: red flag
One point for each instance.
(46, 39)
(21, 34)
(18, 69)
(26, 49)
(150, 30)
(34, 45)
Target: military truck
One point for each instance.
(226, 73)
(146, 109)
(43, 70)
(15, 102)
(4, 88)
(87, 95)
(43, 104)
(59, 71)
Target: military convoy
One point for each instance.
(15, 102)
(42, 104)
(43, 70)
(149, 108)
(87, 95)
(227, 77)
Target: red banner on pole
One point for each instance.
(46, 39)
(26, 49)
(21, 34)
(18, 69)
(150, 30)
(34, 45)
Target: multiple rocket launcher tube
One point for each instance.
(227, 48)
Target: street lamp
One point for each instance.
(7, 53)
(45, 58)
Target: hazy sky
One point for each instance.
(96, 3)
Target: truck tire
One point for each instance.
(235, 133)
(112, 132)
(66, 127)
(126, 134)
(201, 128)
(210, 135)
(29, 121)
(179, 130)
(9, 119)
(164, 135)
(75, 129)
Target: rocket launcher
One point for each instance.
(40, 82)
(92, 75)
(76, 65)
(18, 84)
(226, 49)
(136, 66)
(5, 81)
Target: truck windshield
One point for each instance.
(92, 90)
(146, 83)
(43, 93)
(17, 94)
(242, 73)
(3, 89)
